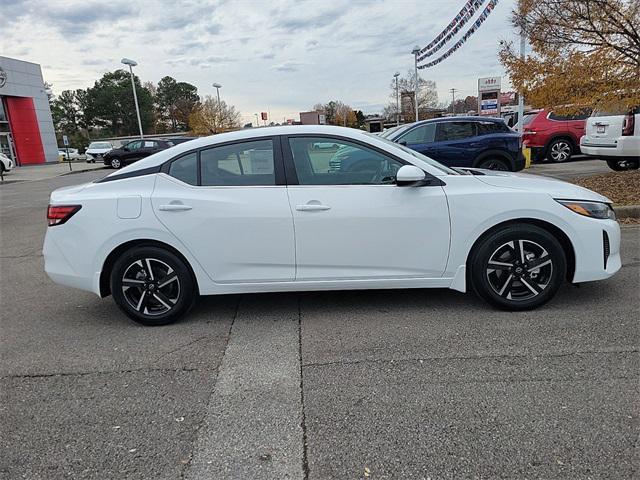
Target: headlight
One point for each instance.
(590, 209)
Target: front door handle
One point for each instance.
(174, 207)
(311, 207)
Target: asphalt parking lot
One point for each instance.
(347, 385)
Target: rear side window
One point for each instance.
(456, 130)
(422, 134)
(583, 115)
(486, 128)
(246, 163)
(185, 168)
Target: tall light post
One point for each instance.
(133, 63)
(416, 51)
(257, 122)
(519, 124)
(217, 86)
(396, 75)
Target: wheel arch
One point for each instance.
(493, 153)
(107, 267)
(561, 236)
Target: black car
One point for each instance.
(479, 142)
(135, 150)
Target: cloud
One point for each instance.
(80, 19)
(287, 66)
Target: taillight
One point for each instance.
(628, 124)
(59, 214)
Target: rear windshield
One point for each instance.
(527, 119)
(100, 145)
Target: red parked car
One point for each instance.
(552, 136)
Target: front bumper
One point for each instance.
(597, 251)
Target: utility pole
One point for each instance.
(453, 100)
(519, 123)
(416, 51)
(396, 75)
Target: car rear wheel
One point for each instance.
(494, 164)
(115, 163)
(560, 150)
(518, 267)
(622, 164)
(152, 286)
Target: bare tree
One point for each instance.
(427, 97)
(213, 117)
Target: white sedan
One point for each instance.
(6, 164)
(259, 210)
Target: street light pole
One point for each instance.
(396, 75)
(520, 95)
(217, 86)
(453, 100)
(133, 63)
(416, 51)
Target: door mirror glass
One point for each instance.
(410, 175)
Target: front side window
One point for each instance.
(422, 134)
(455, 130)
(246, 163)
(350, 164)
(185, 168)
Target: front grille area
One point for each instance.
(606, 249)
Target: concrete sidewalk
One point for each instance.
(31, 173)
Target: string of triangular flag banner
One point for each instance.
(476, 25)
(466, 13)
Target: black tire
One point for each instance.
(622, 164)
(494, 164)
(143, 297)
(560, 150)
(515, 285)
(115, 162)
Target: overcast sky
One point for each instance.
(279, 55)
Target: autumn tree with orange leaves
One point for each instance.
(585, 53)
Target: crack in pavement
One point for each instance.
(469, 357)
(303, 425)
(105, 372)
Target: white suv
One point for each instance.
(96, 150)
(614, 136)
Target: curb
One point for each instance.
(81, 171)
(627, 211)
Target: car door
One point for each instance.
(352, 221)
(421, 139)
(131, 151)
(228, 205)
(458, 144)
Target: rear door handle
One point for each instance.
(174, 207)
(311, 207)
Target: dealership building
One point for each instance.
(26, 127)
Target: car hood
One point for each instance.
(526, 181)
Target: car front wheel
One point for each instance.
(518, 267)
(152, 286)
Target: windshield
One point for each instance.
(389, 131)
(417, 155)
(100, 145)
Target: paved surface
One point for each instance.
(32, 173)
(375, 384)
(581, 166)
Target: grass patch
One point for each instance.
(623, 188)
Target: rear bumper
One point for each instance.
(623, 147)
(60, 269)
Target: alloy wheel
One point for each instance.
(150, 286)
(560, 151)
(519, 270)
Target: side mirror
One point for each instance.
(403, 143)
(411, 176)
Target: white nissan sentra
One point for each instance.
(272, 210)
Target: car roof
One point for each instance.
(245, 134)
